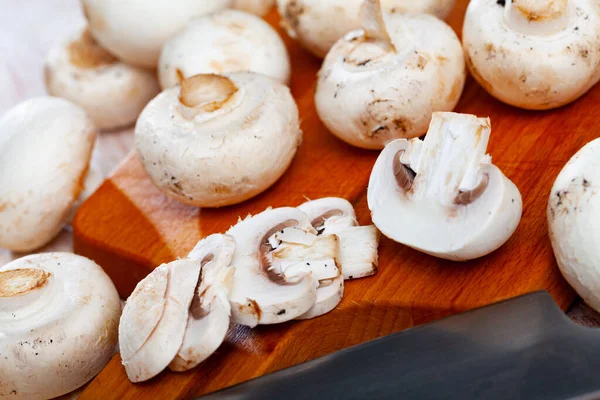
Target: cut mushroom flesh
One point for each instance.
(447, 199)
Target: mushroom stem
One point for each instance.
(538, 17)
(373, 23)
(205, 93)
(18, 282)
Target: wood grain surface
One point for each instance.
(130, 228)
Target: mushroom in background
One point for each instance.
(443, 196)
(258, 7)
(533, 54)
(573, 215)
(357, 250)
(59, 316)
(224, 42)
(219, 140)
(45, 149)
(135, 30)
(383, 82)
(111, 92)
(179, 314)
(318, 24)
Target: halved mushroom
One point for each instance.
(533, 54)
(219, 140)
(231, 41)
(573, 215)
(310, 21)
(45, 146)
(59, 314)
(384, 81)
(443, 196)
(111, 92)
(135, 31)
(258, 7)
(179, 314)
(357, 251)
(279, 262)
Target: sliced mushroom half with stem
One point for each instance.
(178, 315)
(533, 54)
(443, 196)
(383, 82)
(357, 251)
(280, 261)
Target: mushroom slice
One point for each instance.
(219, 140)
(573, 215)
(384, 81)
(258, 7)
(357, 251)
(111, 92)
(208, 319)
(45, 146)
(59, 316)
(533, 54)
(135, 31)
(165, 340)
(266, 289)
(231, 41)
(443, 195)
(310, 21)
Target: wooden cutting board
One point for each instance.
(129, 228)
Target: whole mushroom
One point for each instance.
(573, 215)
(318, 24)
(111, 92)
(59, 315)
(443, 196)
(218, 140)
(258, 7)
(136, 30)
(383, 82)
(230, 41)
(45, 149)
(533, 54)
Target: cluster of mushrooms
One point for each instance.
(206, 84)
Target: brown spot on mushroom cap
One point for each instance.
(537, 10)
(179, 74)
(470, 196)
(486, 85)
(17, 282)
(265, 247)
(404, 175)
(292, 12)
(197, 311)
(208, 92)
(85, 52)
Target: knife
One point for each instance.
(523, 348)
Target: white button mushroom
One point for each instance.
(258, 7)
(573, 215)
(179, 314)
(45, 149)
(443, 196)
(533, 54)
(111, 92)
(58, 324)
(219, 140)
(136, 30)
(318, 24)
(223, 42)
(384, 82)
(357, 252)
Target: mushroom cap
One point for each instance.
(368, 95)
(528, 70)
(45, 148)
(59, 314)
(573, 215)
(443, 196)
(260, 295)
(310, 21)
(227, 153)
(111, 92)
(258, 7)
(136, 30)
(231, 41)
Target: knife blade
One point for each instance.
(523, 348)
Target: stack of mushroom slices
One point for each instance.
(282, 264)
